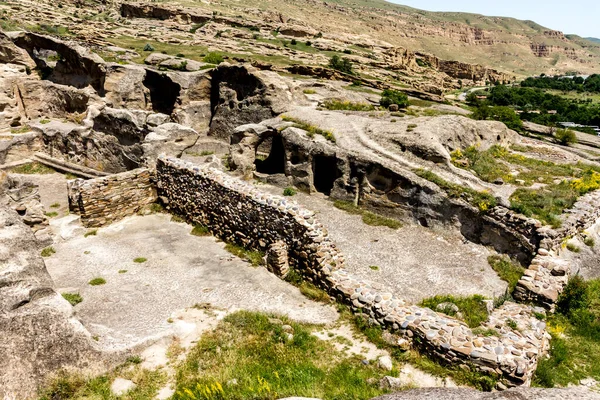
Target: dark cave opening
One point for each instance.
(275, 162)
(325, 173)
(163, 92)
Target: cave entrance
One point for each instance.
(163, 92)
(275, 162)
(325, 173)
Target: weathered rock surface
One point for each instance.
(39, 334)
(470, 394)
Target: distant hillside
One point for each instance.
(592, 39)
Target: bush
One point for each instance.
(97, 281)
(566, 136)
(148, 47)
(73, 298)
(289, 191)
(389, 97)
(341, 64)
(293, 42)
(48, 251)
(574, 296)
(213, 58)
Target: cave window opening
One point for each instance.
(275, 162)
(325, 172)
(163, 92)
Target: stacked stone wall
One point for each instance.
(105, 200)
(239, 212)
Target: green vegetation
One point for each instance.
(51, 214)
(482, 200)
(507, 269)
(52, 29)
(572, 247)
(499, 113)
(472, 308)
(289, 191)
(23, 129)
(485, 332)
(140, 260)
(347, 106)
(213, 58)
(374, 267)
(589, 241)
(48, 251)
(55, 205)
(148, 47)
(254, 257)
(309, 91)
(76, 386)
(565, 136)
(368, 217)
(73, 298)
(389, 97)
(575, 330)
(122, 271)
(341, 64)
(567, 84)
(97, 281)
(311, 130)
(266, 363)
(307, 288)
(32, 168)
(92, 232)
(200, 230)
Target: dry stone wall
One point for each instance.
(548, 273)
(238, 212)
(105, 200)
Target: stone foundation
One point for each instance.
(105, 200)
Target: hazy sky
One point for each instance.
(581, 17)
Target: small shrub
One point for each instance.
(73, 298)
(574, 296)
(44, 121)
(512, 324)
(55, 205)
(309, 91)
(289, 191)
(134, 360)
(97, 281)
(589, 241)
(200, 230)
(341, 64)
(180, 55)
(122, 271)
(294, 42)
(93, 232)
(374, 267)
(51, 214)
(48, 251)
(566, 136)
(390, 96)
(572, 247)
(213, 58)
(308, 43)
(140, 260)
(148, 47)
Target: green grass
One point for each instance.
(55, 205)
(289, 191)
(374, 267)
(309, 91)
(575, 330)
(140, 260)
(23, 129)
(254, 257)
(257, 353)
(589, 241)
(482, 200)
(80, 387)
(73, 298)
(200, 230)
(485, 332)
(368, 217)
(32, 168)
(92, 232)
(508, 270)
(572, 247)
(51, 214)
(311, 130)
(48, 251)
(472, 308)
(97, 281)
(122, 271)
(347, 106)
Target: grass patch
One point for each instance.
(77, 386)
(589, 241)
(122, 271)
(97, 281)
(17, 131)
(508, 270)
(32, 168)
(254, 257)
(51, 214)
(92, 232)
(200, 230)
(572, 247)
(482, 200)
(289, 191)
(73, 298)
(368, 217)
(575, 330)
(311, 130)
(140, 260)
(374, 267)
(347, 106)
(472, 308)
(486, 332)
(48, 251)
(55, 205)
(266, 364)
(309, 91)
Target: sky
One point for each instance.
(580, 17)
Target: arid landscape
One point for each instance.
(295, 200)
